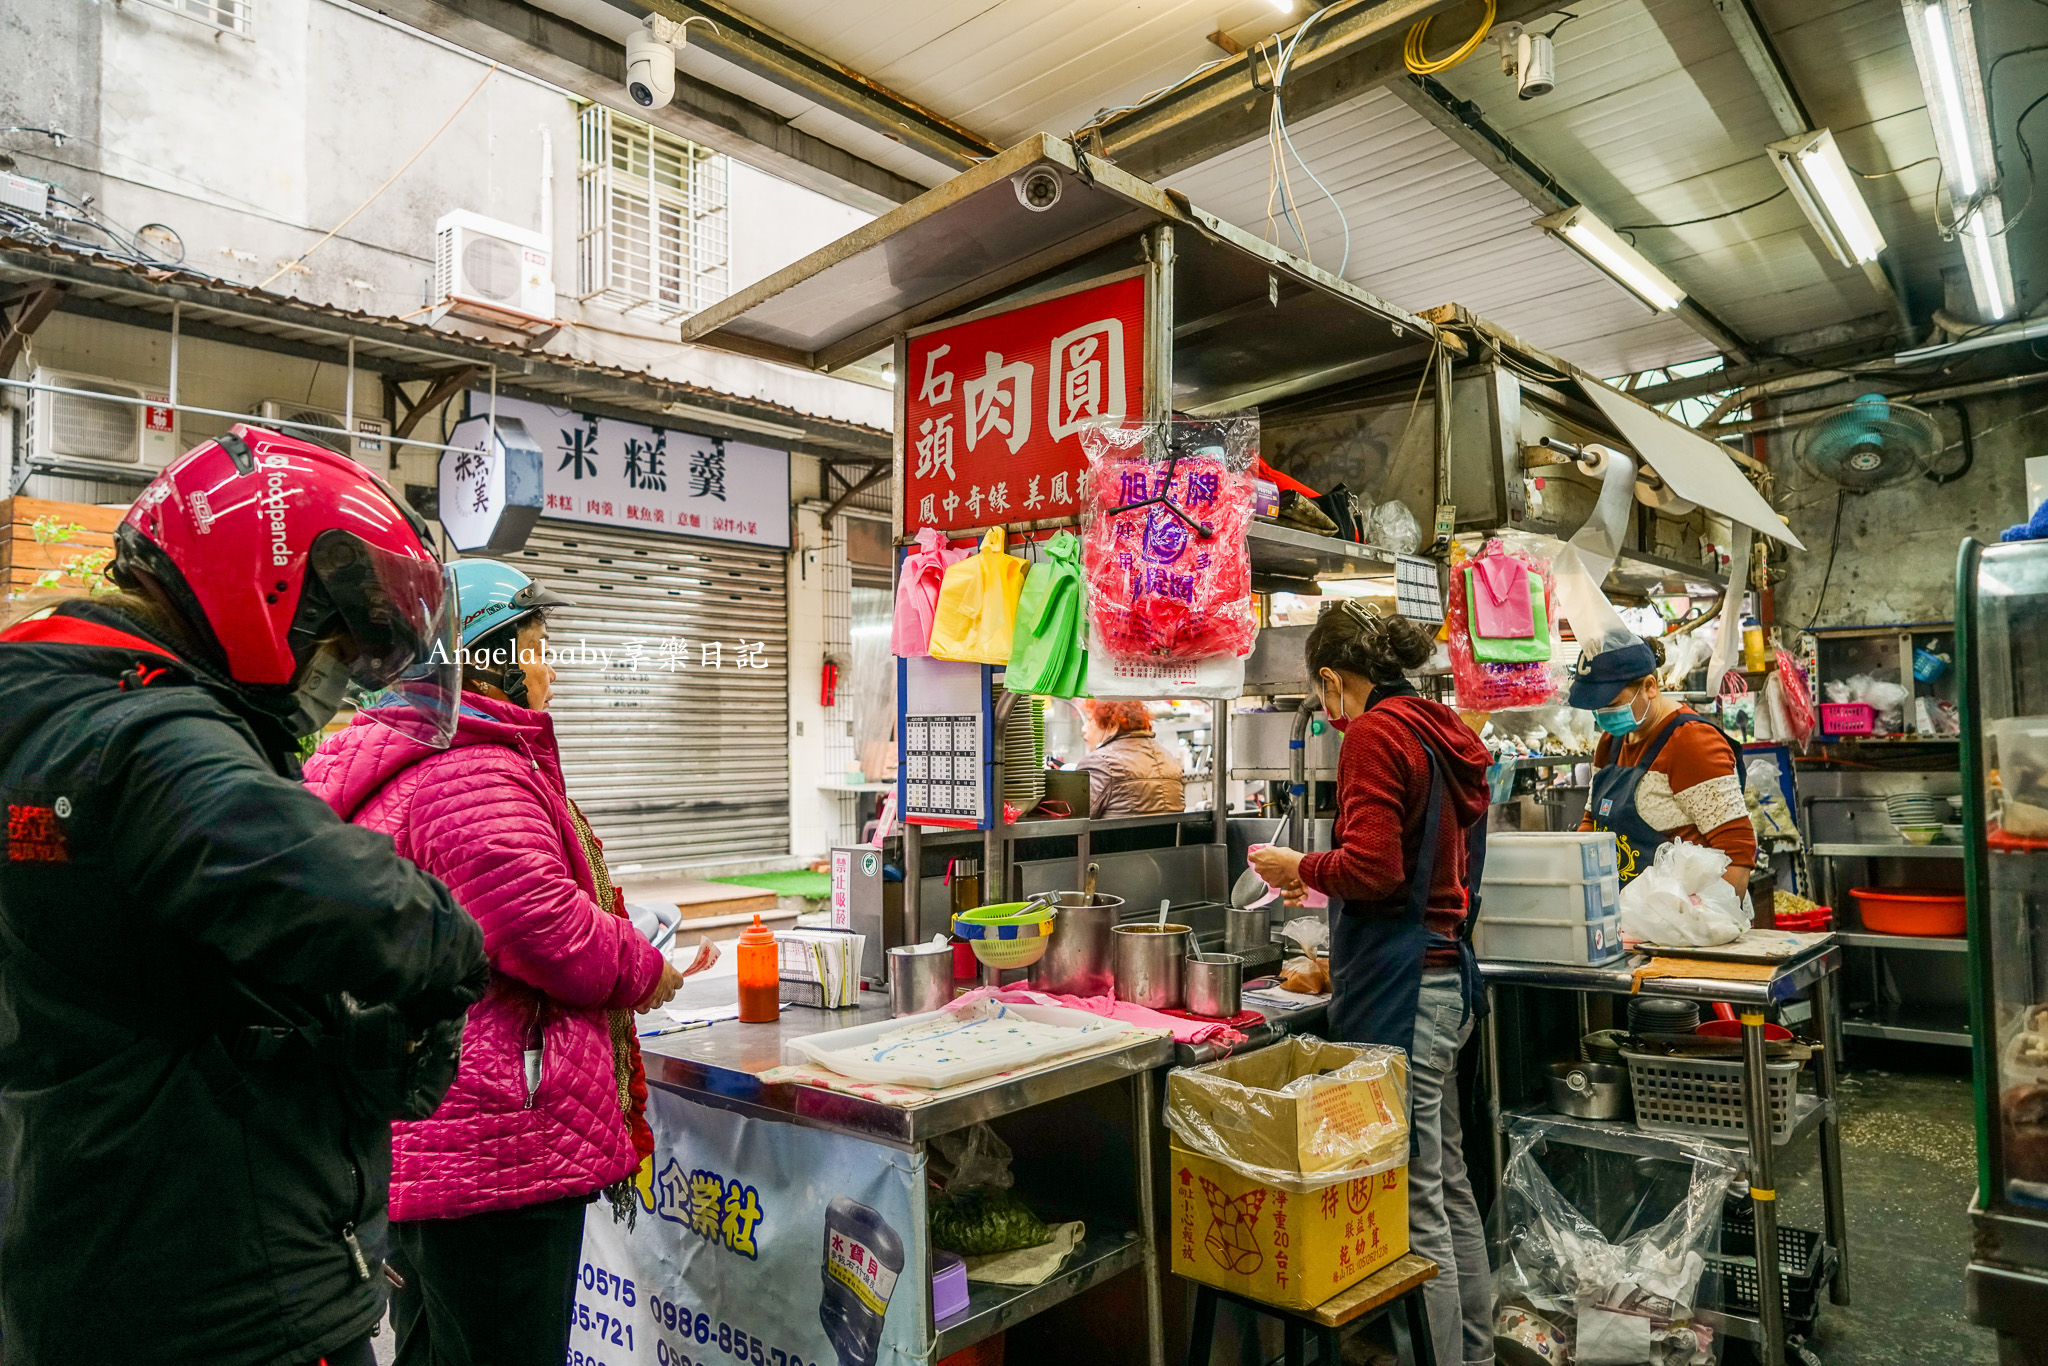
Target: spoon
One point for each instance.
(1164, 902)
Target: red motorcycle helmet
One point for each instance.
(266, 544)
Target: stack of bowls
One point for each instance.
(1917, 816)
(1604, 1046)
(1662, 1015)
(1023, 753)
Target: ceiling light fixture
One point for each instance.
(1820, 180)
(1952, 81)
(1581, 230)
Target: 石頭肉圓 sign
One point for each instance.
(994, 406)
(626, 474)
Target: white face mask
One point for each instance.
(320, 693)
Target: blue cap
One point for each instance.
(1601, 678)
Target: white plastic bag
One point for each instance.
(1681, 898)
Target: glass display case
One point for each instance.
(2002, 654)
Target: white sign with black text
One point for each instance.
(647, 478)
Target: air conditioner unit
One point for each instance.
(294, 419)
(493, 273)
(79, 431)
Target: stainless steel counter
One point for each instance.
(718, 1066)
(1791, 980)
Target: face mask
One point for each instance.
(1340, 724)
(319, 694)
(1617, 720)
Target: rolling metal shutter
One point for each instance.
(673, 766)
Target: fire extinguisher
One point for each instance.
(828, 682)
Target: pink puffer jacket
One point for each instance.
(489, 817)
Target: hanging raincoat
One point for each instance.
(977, 608)
(917, 592)
(1050, 654)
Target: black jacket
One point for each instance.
(168, 1191)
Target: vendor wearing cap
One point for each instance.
(1661, 771)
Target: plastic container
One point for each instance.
(1547, 941)
(1583, 855)
(1939, 915)
(1007, 935)
(1755, 654)
(760, 975)
(1805, 1264)
(1704, 1095)
(1848, 718)
(949, 1284)
(863, 1257)
(1819, 918)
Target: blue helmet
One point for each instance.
(490, 594)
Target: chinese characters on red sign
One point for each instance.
(994, 406)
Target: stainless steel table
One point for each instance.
(1811, 975)
(718, 1066)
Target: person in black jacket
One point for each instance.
(196, 954)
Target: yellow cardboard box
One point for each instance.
(1280, 1247)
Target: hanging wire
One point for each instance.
(1417, 58)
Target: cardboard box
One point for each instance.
(1256, 1139)
(1276, 1246)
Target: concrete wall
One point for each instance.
(1895, 557)
(253, 148)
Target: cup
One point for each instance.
(1246, 928)
(1078, 961)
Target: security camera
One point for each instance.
(1535, 65)
(1038, 189)
(650, 68)
(1528, 59)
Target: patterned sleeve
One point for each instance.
(1707, 786)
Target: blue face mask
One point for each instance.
(1617, 720)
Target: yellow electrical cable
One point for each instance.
(1422, 64)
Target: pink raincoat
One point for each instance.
(489, 817)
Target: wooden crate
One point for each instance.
(23, 559)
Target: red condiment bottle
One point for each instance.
(760, 977)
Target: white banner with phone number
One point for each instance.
(750, 1236)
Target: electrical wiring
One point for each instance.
(1896, 170)
(1278, 137)
(1710, 218)
(1417, 58)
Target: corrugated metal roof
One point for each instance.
(1656, 119)
(244, 308)
(1429, 225)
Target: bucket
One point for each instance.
(1147, 963)
(1212, 983)
(1078, 961)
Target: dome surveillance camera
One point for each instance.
(1038, 189)
(650, 69)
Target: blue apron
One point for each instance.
(1612, 803)
(1376, 962)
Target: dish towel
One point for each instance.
(1184, 1028)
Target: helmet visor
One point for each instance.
(421, 703)
(394, 607)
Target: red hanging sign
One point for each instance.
(994, 406)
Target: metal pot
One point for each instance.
(920, 978)
(1246, 929)
(1588, 1090)
(1078, 962)
(1147, 963)
(1213, 982)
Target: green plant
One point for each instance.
(87, 568)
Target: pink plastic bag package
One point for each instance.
(1158, 588)
(1498, 687)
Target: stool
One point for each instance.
(1397, 1285)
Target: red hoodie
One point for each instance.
(1382, 789)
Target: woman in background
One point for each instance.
(1129, 772)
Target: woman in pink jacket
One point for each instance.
(488, 1195)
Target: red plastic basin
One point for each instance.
(1732, 1029)
(1930, 914)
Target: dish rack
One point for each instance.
(1704, 1095)
(1805, 1264)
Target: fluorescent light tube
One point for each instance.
(1990, 274)
(1581, 230)
(1826, 191)
(1945, 98)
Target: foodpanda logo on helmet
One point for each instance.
(273, 503)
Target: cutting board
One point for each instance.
(1755, 946)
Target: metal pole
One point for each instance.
(1159, 326)
(1219, 767)
(1825, 1004)
(1442, 354)
(348, 397)
(1493, 1091)
(1763, 1192)
(913, 886)
(177, 318)
(1148, 1218)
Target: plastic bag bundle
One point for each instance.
(1886, 697)
(1604, 1301)
(976, 615)
(1681, 898)
(1502, 685)
(976, 1214)
(1795, 696)
(917, 592)
(1049, 655)
(1765, 797)
(1159, 588)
